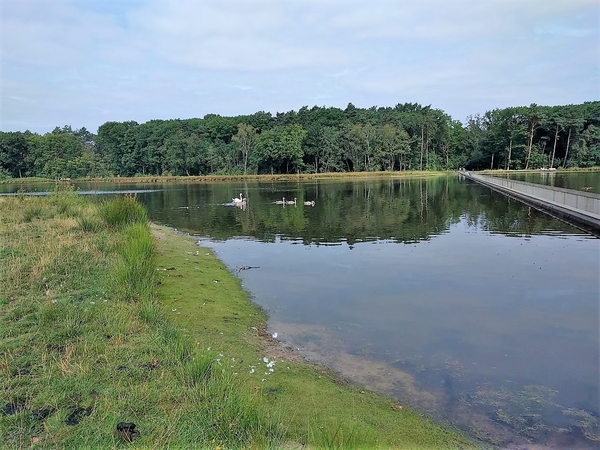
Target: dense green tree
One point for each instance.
(114, 144)
(291, 138)
(390, 142)
(13, 154)
(267, 151)
(245, 138)
(535, 116)
(317, 139)
(182, 154)
(587, 149)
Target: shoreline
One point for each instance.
(303, 384)
(281, 177)
(363, 374)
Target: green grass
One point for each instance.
(90, 224)
(135, 273)
(274, 177)
(122, 211)
(94, 331)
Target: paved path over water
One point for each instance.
(581, 209)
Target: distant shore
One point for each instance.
(279, 177)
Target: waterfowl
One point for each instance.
(291, 202)
(311, 203)
(280, 202)
(239, 200)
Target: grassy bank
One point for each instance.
(274, 177)
(104, 319)
(284, 177)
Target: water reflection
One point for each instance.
(394, 210)
(102, 192)
(455, 299)
(581, 181)
(497, 334)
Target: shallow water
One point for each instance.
(458, 301)
(469, 323)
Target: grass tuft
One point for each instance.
(199, 369)
(151, 312)
(32, 213)
(180, 349)
(136, 278)
(90, 224)
(122, 211)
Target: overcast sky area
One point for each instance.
(86, 62)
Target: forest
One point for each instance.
(407, 136)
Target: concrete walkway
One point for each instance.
(581, 209)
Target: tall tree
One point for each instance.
(574, 122)
(557, 120)
(114, 145)
(290, 140)
(13, 154)
(245, 138)
(534, 121)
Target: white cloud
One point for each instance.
(82, 62)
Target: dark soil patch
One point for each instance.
(77, 414)
(14, 407)
(41, 414)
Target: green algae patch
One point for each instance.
(314, 405)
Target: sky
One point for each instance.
(86, 62)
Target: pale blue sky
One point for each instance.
(86, 62)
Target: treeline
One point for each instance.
(406, 137)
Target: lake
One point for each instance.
(462, 303)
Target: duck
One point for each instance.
(280, 202)
(311, 203)
(291, 202)
(239, 200)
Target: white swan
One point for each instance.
(291, 202)
(311, 203)
(280, 202)
(239, 200)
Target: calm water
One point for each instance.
(458, 301)
(582, 181)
